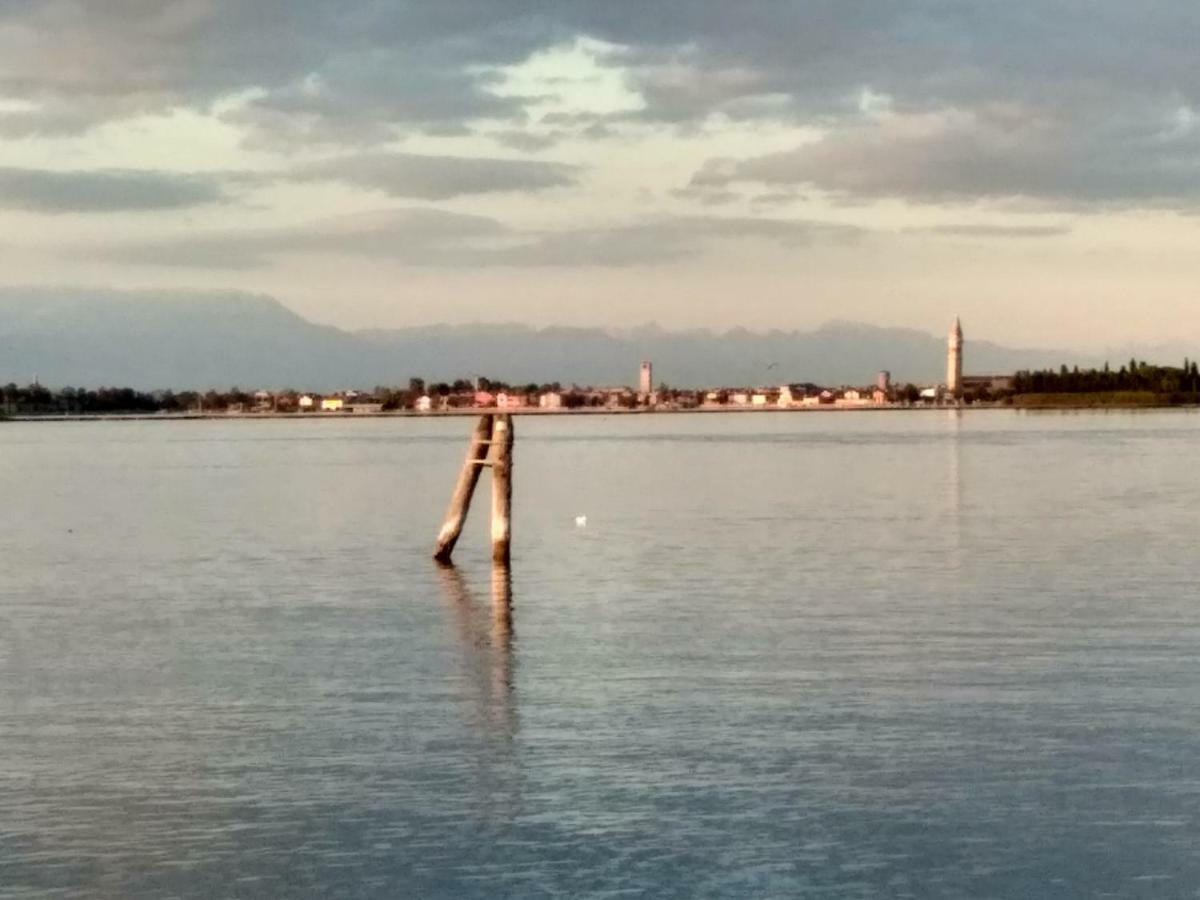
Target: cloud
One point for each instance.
(1079, 103)
(663, 240)
(439, 177)
(997, 153)
(412, 236)
(993, 231)
(102, 191)
(438, 239)
(404, 62)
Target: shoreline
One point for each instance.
(473, 411)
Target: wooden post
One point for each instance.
(502, 446)
(460, 502)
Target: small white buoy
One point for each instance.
(580, 521)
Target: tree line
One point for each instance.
(37, 399)
(1134, 376)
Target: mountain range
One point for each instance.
(181, 340)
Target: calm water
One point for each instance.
(790, 655)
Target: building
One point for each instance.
(332, 404)
(305, 403)
(424, 403)
(550, 400)
(990, 383)
(954, 361)
(883, 381)
(646, 381)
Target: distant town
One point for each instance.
(1134, 384)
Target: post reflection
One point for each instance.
(486, 644)
(502, 631)
(954, 483)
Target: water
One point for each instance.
(847, 655)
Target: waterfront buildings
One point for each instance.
(646, 381)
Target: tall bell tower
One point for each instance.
(954, 361)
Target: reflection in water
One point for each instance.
(502, 632)
(954, 485)
(486, 647)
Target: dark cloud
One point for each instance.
(102, 191)
(1093, 90)
(995, 153)
(526, 141)
(439, 177)
(438, 239)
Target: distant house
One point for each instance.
(305, 403)
(550, 400)
(739, 398)
(424, 403)
(758, 400)
(484, 398)
(991, 383)
(879, 396)
(332, 404)
(263, 401)
(855, 397)
(365, 407)
(506, 400)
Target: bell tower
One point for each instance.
(954, 361)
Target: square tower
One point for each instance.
(646, 381)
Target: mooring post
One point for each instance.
(460, 502)
(502, 447)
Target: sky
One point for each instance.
(1033, 167)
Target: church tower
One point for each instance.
(954, 359)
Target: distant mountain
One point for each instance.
(837, 353)
(177, 340)
(151, 340)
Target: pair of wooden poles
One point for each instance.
(491, 446)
